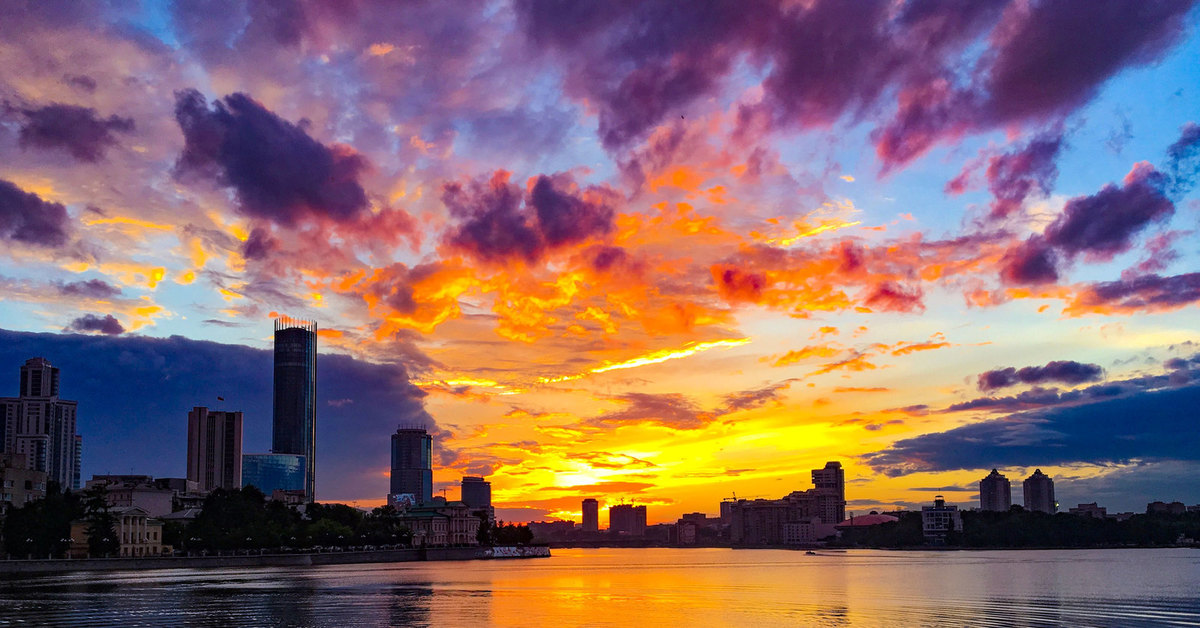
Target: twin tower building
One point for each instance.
(215, 458)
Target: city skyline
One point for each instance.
(644, 255)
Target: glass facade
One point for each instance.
(270, 472)
(295, 408)
(412, 464)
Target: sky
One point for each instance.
(653, 252)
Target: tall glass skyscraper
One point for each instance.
(412, 464)
(295, 410)
(271, 472)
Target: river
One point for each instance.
(643, 588)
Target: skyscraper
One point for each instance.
(40, 426)
(273, 472)
(830, 483)
(294, 425)
(476, 492)
(1039, 493)
(627, 519)
(591, 515)
(214, 453)
(412, 464)
(995, 492)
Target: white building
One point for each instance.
(41, 427)
(939, 520)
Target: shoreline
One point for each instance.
(68, 565)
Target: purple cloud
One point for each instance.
(25, 217)
(278, 171)
(107, 324)
(1065, 371)
(91, 289)
(77, 130)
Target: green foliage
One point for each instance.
(102, 537)
(39, 527)
(510, 534)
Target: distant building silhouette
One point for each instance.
(274, 472)
(1092, 510)
(41, 427)
(591, 515)
(294, 420)
(476, 493)
(939, 520)
(1166, 508)
(799, 517)
(995, 492)
(831, 481)
(412, 464)
(1039, 493)
(627, 519)
(214, 449)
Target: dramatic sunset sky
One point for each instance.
(658, 252)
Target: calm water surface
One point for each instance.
(640, 588)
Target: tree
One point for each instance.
(101, 529)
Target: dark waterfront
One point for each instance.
(650, 587)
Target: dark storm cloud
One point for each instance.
(77, 130)
(1063, 371)
(1149, 425)
(91, 289)
(278, 171)
(499, 222)
(25, 217)
(134, 394)
(108, 324)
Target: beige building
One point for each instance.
(139, 535)
(18, 483)
(140, 491)
(767, 521)
(214, 449)
(441, 524)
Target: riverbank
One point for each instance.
(9, 567)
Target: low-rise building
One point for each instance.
(139, 491)
(939, 520)
(138, 534)
(18, 483)
(441, 524)
(1089, 510)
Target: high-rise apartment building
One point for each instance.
(41, 427)
(591, 515)
(214, 453)
(995, 492)
(831, 481)
(1039, 493)
(476, 492)
(412, 464)
(627, 519)
(294, 424)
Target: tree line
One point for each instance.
(1018, 527)
(239, 519)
